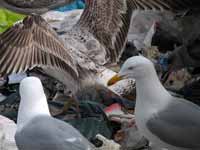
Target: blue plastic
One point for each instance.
(163, 61)
(77, 4)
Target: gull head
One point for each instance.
(31, 88)
(135, 67)
(33, 101)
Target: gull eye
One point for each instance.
(130, 68)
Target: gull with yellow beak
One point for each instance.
(80, 54)
(166, 121)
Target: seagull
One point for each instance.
(37, 129)
(165, 120)
(80, 54)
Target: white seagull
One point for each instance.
(37, 129)
(81, 53)
(166, 121)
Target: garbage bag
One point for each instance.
(92, 120)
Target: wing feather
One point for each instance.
(30, 44)
(109, 20)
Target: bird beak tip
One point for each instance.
(114, 80)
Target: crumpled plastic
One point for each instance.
(107, 144)
(77, 4)
(92, 120)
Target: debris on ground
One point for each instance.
(107, 144)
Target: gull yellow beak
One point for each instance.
(114, 80)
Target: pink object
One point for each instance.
(115, 109)
(115, 113)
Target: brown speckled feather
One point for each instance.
(30, 44)
(33, 43)
(109, 20)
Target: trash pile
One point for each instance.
(106, 116)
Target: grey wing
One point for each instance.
(33, 6)
(33, 43)
(178, 124)
(47, 133)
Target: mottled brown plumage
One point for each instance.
(75, 57)
(109, 23)
(33, 43)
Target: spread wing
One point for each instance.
(32, 6)
(109, 20)
(33, 43)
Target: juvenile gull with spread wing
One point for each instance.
(81, 53)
